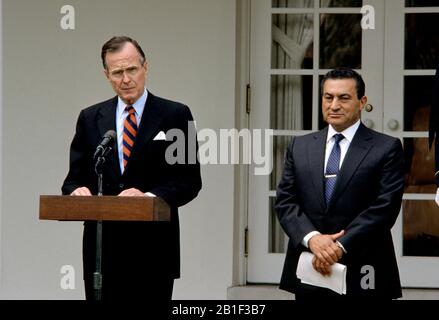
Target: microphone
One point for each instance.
(106, 144)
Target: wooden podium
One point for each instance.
(103, 208)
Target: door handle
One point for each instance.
(368, 107)
(392, 124)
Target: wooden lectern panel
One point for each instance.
(111, 208)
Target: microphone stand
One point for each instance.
(97, 275)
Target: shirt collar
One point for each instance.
(139, 105)
(348, 133)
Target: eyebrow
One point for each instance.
(122, 69)
(342, 95)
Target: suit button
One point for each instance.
(121, 185)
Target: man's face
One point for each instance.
(126, 73)
(340, 105)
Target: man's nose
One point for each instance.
(335, 104)
(125, 78)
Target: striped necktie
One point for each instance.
(332, 168)
(129, 133)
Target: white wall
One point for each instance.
(50, 74)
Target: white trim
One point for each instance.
(281, 133)
(425, 72)
(318, 11)
(306, 72)
(418, 196)
(292, 72)
(1, 135)
(414, 134)
(316, 65)
(421, 10)
(243, 21)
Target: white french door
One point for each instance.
(294, 43)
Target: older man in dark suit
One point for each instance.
(340, 195)
(140, 260)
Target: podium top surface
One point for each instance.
(103, 208)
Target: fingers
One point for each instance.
(329, 255)
(132, 192)
(335, 236)
(82, 191)
(321, 267)
(324, 248)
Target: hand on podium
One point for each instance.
(82, 191)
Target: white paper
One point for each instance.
(437, 196)
(307, 274)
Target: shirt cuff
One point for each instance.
(309, 236)
(149, 194)
(341, 246)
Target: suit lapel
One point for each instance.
(149, 123)
(358, 149)
(316, 159)
(107, 121)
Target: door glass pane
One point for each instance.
(292, 36)
(292, 3)
(291, 102)
(278, 240)
(421, 3)
(419, 166)
(340, 41)
(418, 92)
(280, 145)
(341, 3)
(421, 41)
(420, 228)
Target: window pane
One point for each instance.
(421, 3)
(420, 228)
(292, 36)
(280, 145)
(418, 91)
(278, 240)
(419, 166)
(292, 3)
(340, 41)
(341, 3)
(421, 41)
(291, 102)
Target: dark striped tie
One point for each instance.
(129, 133)
(332, 168)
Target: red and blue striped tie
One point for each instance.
(129, 133)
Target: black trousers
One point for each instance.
(305, 292)
(152, 289)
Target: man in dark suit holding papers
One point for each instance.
(340, 195)
(140, 260)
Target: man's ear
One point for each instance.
(363, 102)
(107, 75)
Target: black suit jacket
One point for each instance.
(365, 203)
(135, 250)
